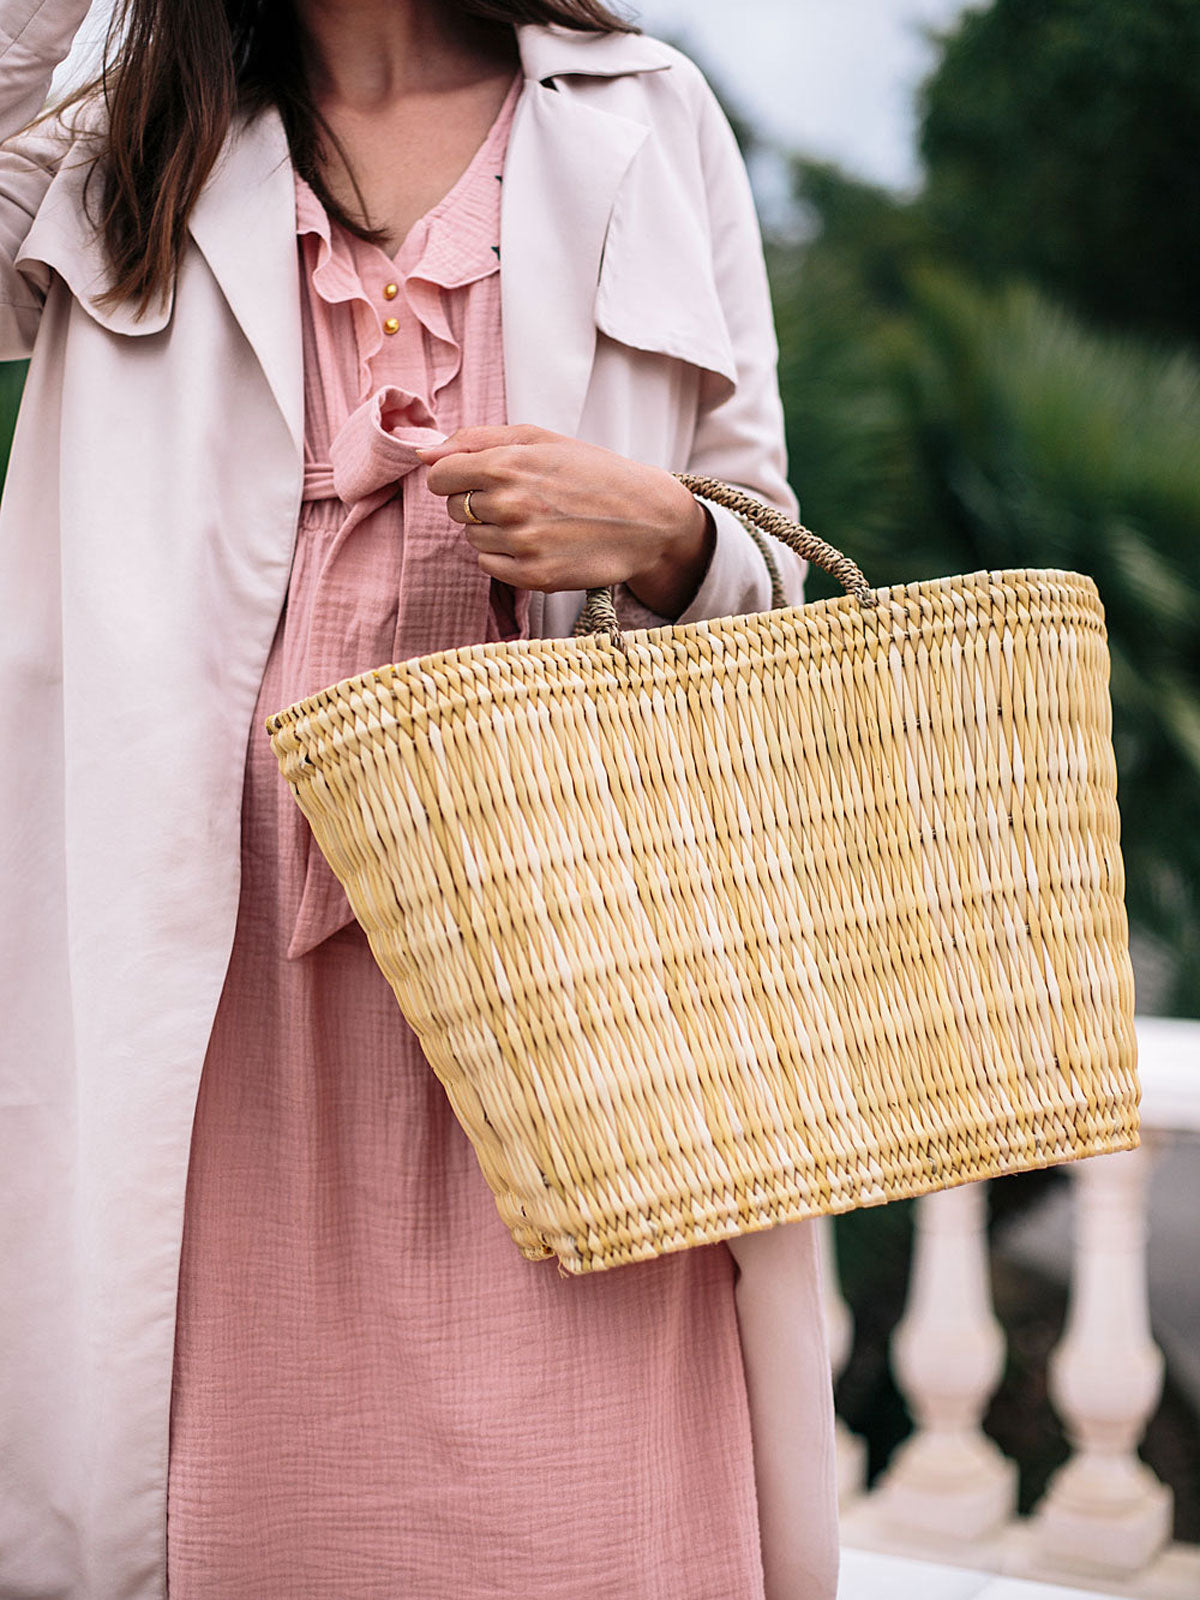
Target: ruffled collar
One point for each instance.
(456, 243)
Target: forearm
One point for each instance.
(35, 35)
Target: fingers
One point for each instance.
(484, 535)
(509, 552)
(456, 505)
(471, 440)
(475, 470)
(490, 542)
(507, 568)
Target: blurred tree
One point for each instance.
(944, 416)
(1062, 142)
(875, 236)
(847, 442)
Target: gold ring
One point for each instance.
(467, 512)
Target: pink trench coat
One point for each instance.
(146, 536)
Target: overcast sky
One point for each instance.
(833, 78)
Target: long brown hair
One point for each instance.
(175, 74)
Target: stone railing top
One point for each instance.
(867, 1575)
(1169, 1069)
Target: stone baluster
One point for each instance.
(1105, 1512)
(948, 1484)
(839, 1322)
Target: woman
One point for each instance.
(330, 1372)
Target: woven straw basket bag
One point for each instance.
(711, 927)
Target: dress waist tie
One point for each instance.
(442, 598)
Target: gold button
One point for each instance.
(390, 291)
(391, 326)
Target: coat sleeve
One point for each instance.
(740, 434)
(35, 35)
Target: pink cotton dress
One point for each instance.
(376, 1397)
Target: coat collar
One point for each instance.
(601, 230)
(548, 53)
(566, 162)
(244, 226)
(565, 165)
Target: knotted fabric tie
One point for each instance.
(443, 596)
(441, 599)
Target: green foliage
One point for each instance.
(12, 381)
(1062, 142)
(846, 436)
(875, 237)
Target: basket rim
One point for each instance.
(1002, 579)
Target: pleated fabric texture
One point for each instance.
(375, 1396)
(750, 919)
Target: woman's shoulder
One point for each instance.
(638, 78)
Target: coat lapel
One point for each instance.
(599, 231)
(564, 166)
(244, 224)
(62, 239)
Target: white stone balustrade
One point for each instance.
(948, 1488)
(949, 1478)
(1105, 1511)
(949, 1494)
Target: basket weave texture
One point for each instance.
(747, 920)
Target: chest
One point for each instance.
(407, 157)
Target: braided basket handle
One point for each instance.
(599, 614)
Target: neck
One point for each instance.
(366, 54)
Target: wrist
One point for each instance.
(670, 583)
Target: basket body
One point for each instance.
(765, 917)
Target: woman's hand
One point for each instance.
(556, 513)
